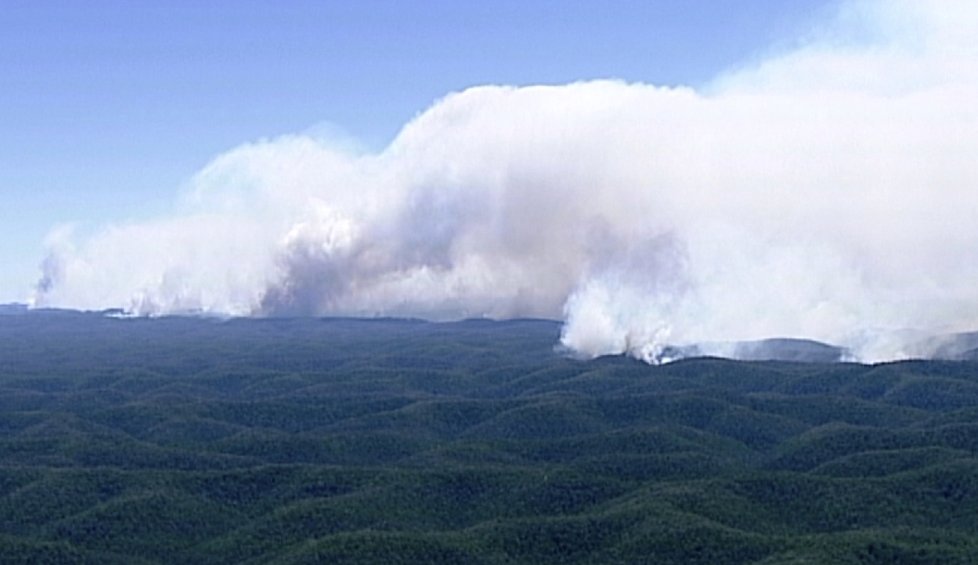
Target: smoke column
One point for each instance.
(830, 192)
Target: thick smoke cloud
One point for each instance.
(830, 193)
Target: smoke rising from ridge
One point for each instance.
(828, 193)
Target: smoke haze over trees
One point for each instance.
(826, 192)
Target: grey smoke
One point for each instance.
(774, 349)
(829, 193)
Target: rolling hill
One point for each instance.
(402, 441)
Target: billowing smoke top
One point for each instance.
(830, 193)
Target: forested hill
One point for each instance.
(193, 440)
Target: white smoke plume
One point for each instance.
(830, 193)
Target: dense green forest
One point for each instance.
(191, 440)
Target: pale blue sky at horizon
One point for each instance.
(108, 107)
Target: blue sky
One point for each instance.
(108, 107)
